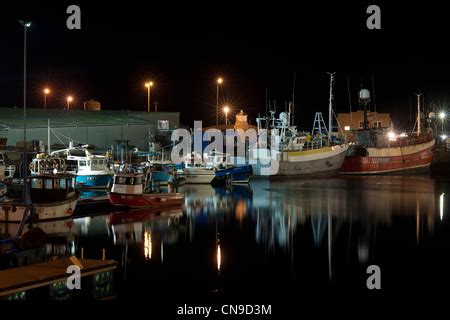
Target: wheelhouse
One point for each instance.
(51, 188)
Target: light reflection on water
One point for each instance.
(265, 229)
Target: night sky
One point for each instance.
(184, 47)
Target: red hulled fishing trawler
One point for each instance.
(381, 150)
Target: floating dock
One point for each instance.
(53, 274)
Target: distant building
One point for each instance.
(97, 127)
(355, 121)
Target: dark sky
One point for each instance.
(184, 46)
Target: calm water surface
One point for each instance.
(292, 235)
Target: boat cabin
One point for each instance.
(52, 188)
(128, 183)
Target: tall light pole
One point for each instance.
(226, 109)
(46, 92)
(148, 85)
(442, 116)
(69, 100)
(26, 199)
(219, 82)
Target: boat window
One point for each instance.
(130, 180)
(82, 163)
(138, 180)
(62, 183)
(48, 183)
(36, 183)
(56, 184)
(121, 180)
(94, 162)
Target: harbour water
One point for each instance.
(293, 235)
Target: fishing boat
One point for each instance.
(226, 172)
(133, 191)
(91, 170)
(199, 174)
(52, 197)
(281, 150)
(381, 150)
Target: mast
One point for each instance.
(373, 92)
(293, 99)
(48, 137)
(267, 93)
(349, 99)
(418, 113)
(330, 106)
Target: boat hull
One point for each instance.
(199, 177)
(310, 163)
(235, 175)
(94, 180)
(414, 158)
(149, 200)
(13, 212)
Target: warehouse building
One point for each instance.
(101, 128)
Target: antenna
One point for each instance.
(267, 93)
(293, 99)
(418, 113)
(349, 99)
(330, 106)
(373, 91)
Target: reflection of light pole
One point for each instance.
(148, 85)
(69, 100)
(226, 109)
(26, 199)
(442, 115)
(219, 82)
(46, 92)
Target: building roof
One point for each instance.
(12, 118)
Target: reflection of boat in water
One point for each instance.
(142, 215)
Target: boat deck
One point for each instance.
(47, 273)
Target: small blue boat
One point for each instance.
(233, 174)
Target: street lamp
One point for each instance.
(26, 198)
(442, 115)
(46, 92)
(69, 100)
(226, 109)
(148, 85)
(219, 82)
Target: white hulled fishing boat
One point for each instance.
(292, 153)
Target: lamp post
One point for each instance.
(442, 115)
(69, 100)
(148, 85)
(46, 92)
(226, 109)
(219, 82)
(26, 198)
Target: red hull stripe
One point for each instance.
(146, 200)
(368, 165)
